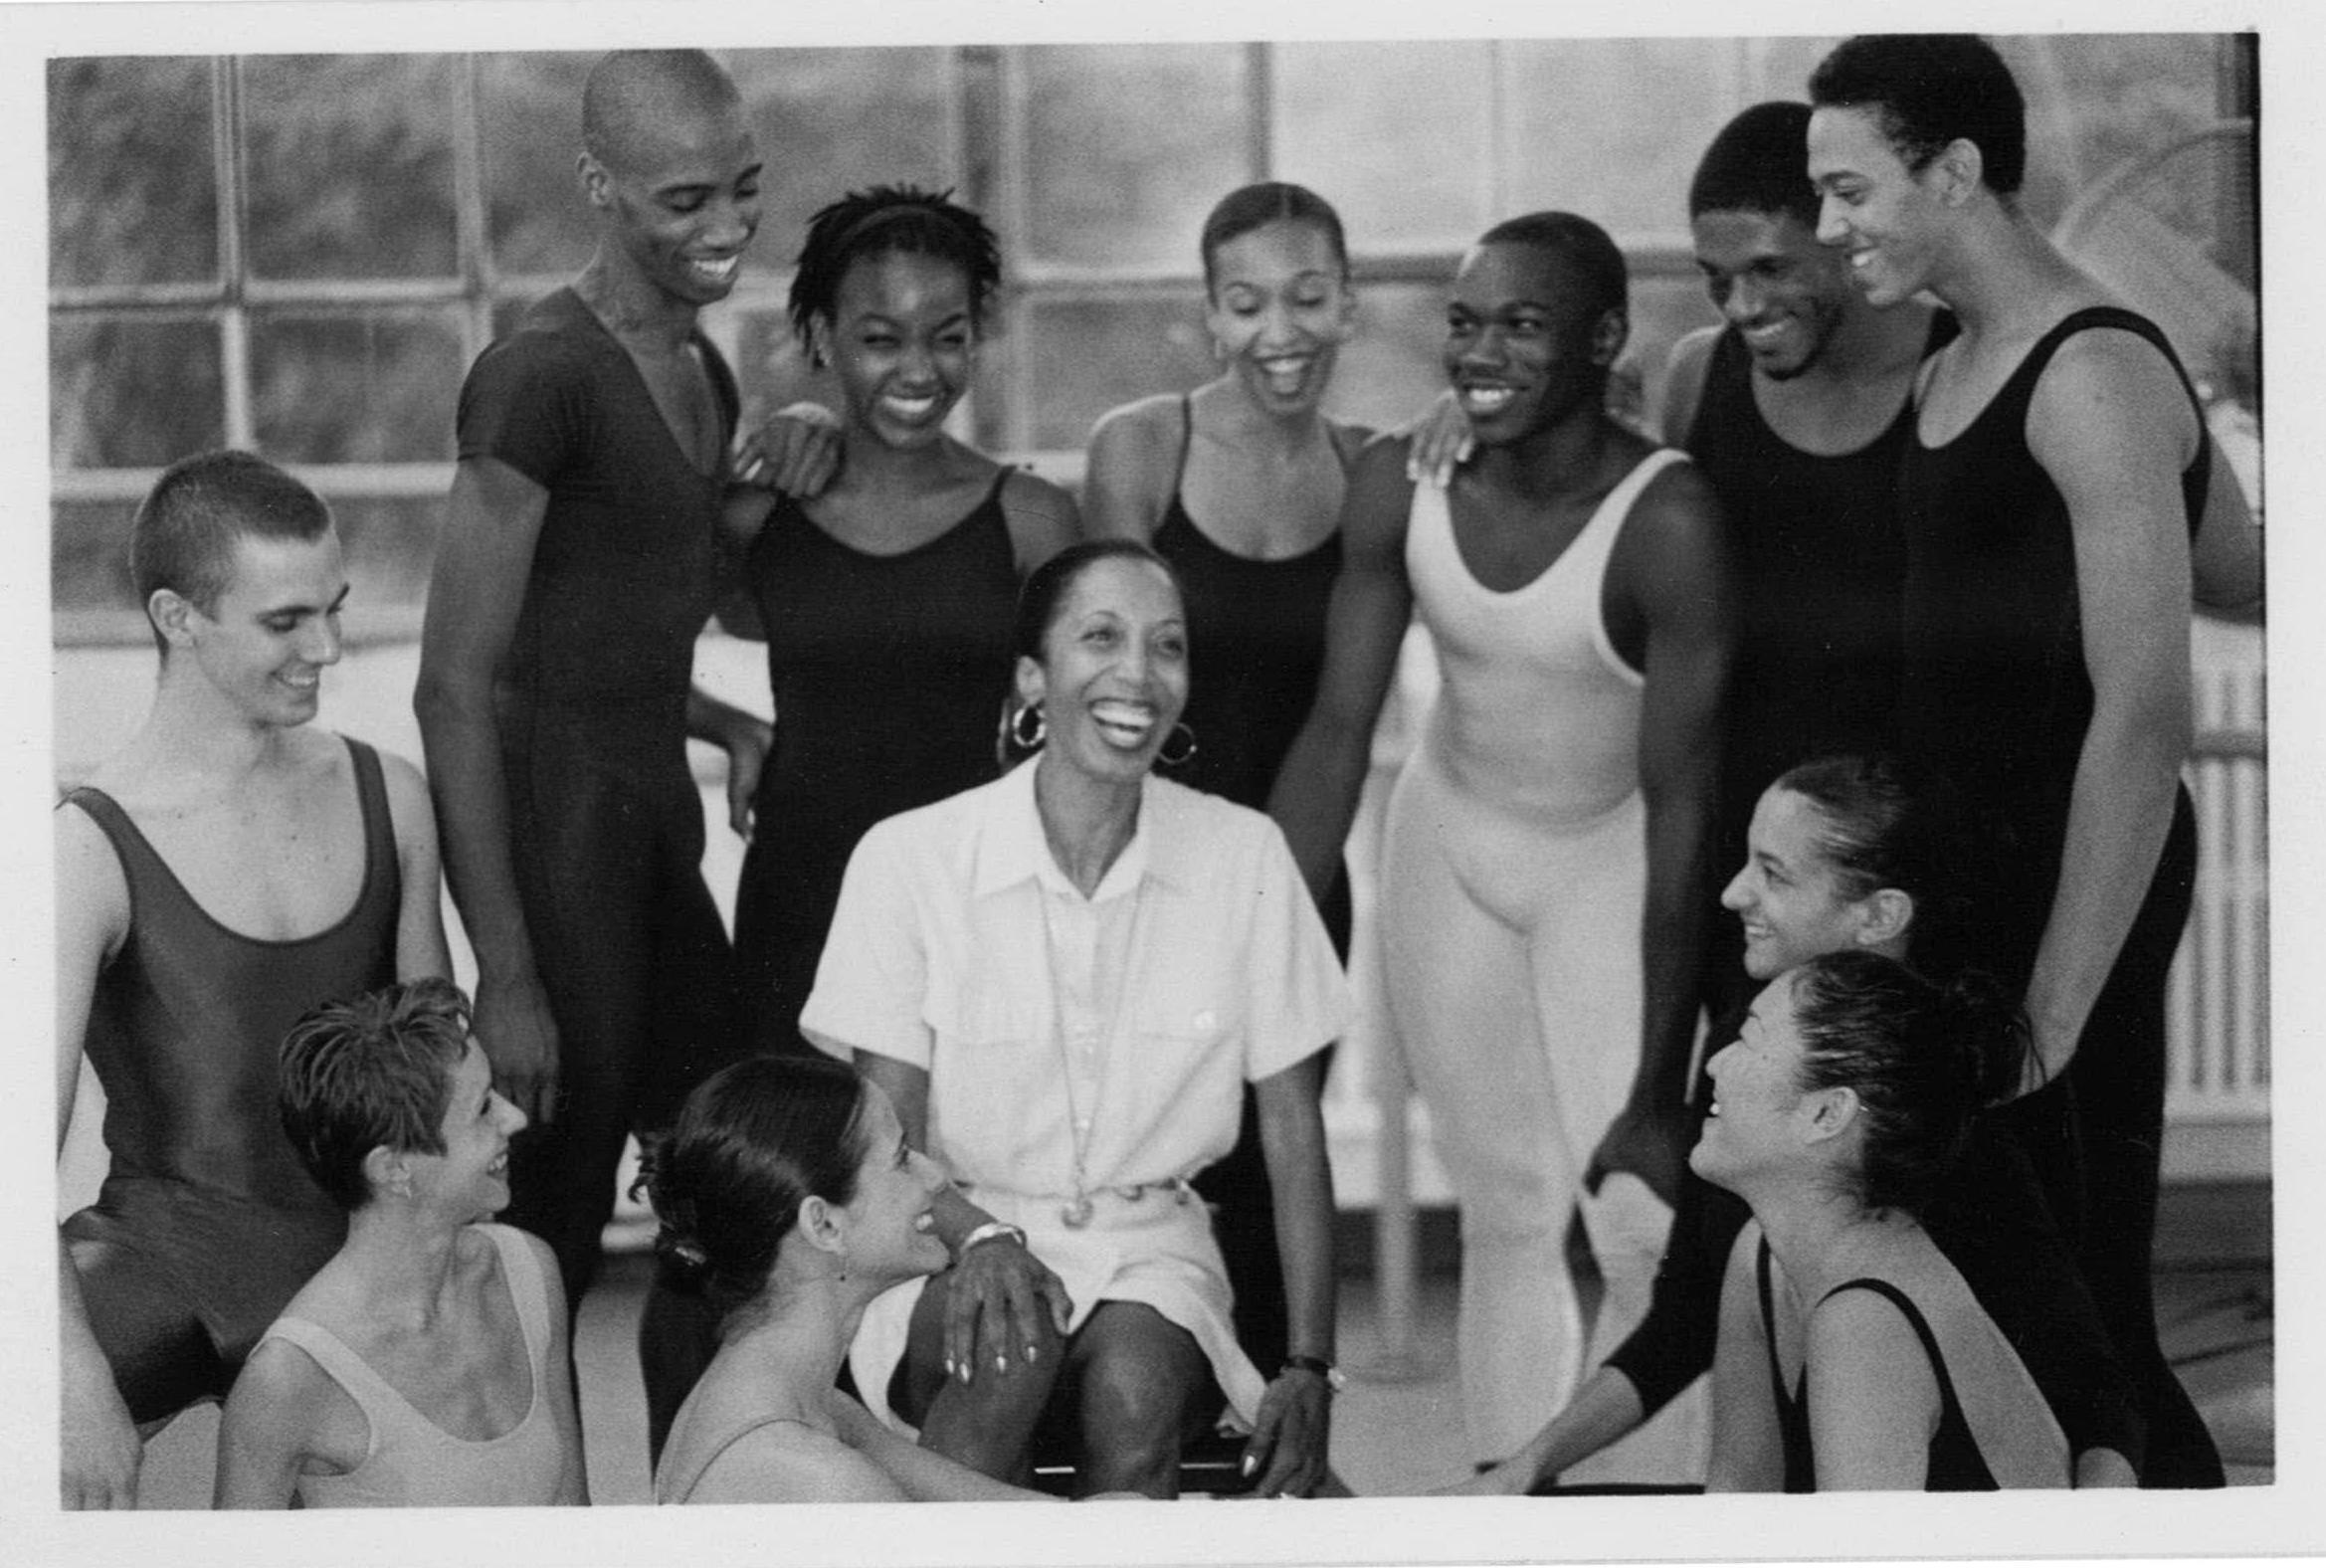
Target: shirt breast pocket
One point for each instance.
(992, 1082)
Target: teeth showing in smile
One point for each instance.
(721, 271)
(924, 1222)
(1286, 375)
(910, 409)
(1124, 724)
(1485, 401)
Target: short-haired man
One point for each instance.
(580, 561)
(2051, 495)
(1546, 877)
(227, 869)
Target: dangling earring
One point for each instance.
(1180, 732)
(1018, 733)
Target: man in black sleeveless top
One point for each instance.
(2053, 485)
(1796, 409)
(229, 868)
(580, 561)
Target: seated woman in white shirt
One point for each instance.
(789, 1198)
(1063, 980)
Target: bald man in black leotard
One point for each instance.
(579, 564)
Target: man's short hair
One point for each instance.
(372, 1072)
(1582, 245)
(1758, 163)
(185, 530)
(1926, 90)
(631, 91)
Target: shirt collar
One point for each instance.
(1012, 848)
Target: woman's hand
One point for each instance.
(795, 454)
(1439, 440)
(1288, 1449)
(1003, 1304)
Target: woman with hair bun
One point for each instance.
(1853, 1353)
(789, 1199)
(886, 598)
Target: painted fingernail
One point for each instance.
(1030, 1356)
(1001, 1363)
(1249, 1464)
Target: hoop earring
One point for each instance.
(1179, 731)
(1030, 742)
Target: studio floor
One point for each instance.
(1397, 1430)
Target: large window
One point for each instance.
(300, 254)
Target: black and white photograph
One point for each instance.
(1387, 784)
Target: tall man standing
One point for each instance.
(2053, 486)
(579, 564)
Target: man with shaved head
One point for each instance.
(578, 564)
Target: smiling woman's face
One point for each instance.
(1113, 673)
(891, 1233)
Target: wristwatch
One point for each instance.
(1334, 1378)
(986, 1233)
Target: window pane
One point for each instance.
(88, 556)
(529, 109)
(350, 165)
(390, 544)
(1398, 137)
(1612, 127)
(832, 121)
(1128, 146)
(379, 387)
(132, 197)
(1391, 370)
(132, 391)
(1664, 310)
(1090, 356)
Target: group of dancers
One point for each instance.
(996, 1125)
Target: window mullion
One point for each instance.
(234, 327)
(472, 243)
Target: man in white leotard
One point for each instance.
(1546, 885)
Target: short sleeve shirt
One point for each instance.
(1139, 1013)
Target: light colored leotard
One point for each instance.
(1513, 879)
(412, 1463)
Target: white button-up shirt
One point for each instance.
(1130, 1018)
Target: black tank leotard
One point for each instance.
(1996, 697)
(207, 1223)
(889, 674)
(1956, 1465)
(1256, 630)
(1819, 560)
